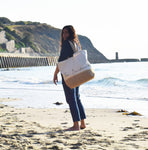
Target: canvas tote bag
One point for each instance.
(77, 69)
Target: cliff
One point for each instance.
(44, 39)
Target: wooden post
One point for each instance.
(0, 61)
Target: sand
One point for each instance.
(42, 129)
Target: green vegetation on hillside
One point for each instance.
(44, 39)
(12, 35)
(2, 48)
(4, 20)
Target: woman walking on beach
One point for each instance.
(68, 36)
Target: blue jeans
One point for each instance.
(73, 99)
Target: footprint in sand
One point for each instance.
(64, 123)
(136, 120)
(58, 141)
(128, 128)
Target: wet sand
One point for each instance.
(41, 129)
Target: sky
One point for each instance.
(111, 25)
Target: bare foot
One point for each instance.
(82, 127)
(73, 129)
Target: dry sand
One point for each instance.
(41, 129)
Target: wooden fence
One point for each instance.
(28, 61)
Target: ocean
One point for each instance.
(115, 86)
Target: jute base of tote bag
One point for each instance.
(76, 70)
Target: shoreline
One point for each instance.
(12, 102)
(42, 128)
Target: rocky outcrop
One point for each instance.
(46, 39)
(3, 37)
(10, 45)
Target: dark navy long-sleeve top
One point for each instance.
(66, 52)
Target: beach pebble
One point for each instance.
(30, 147)
(58, 103)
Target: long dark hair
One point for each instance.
(72, 35)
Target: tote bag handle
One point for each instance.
(74, 46)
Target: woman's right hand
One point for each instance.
(55, 79)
